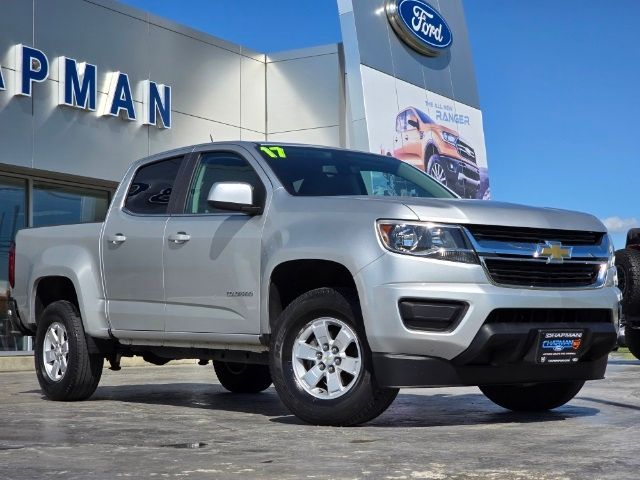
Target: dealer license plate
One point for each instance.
(559, 346)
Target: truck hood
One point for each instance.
(483, 212)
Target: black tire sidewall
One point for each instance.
(628, 260)
(317, 304)
(249, 378)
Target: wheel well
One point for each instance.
(52, 289)
(291, 279)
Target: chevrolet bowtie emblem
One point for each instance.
(553, 251)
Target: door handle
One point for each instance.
(406, 138)
(179, 238)
(117, 239)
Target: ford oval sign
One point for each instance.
(419, 25)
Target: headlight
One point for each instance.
(427, 240)
(449, 138)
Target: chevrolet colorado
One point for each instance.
(280, 264)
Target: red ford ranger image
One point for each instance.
(437, 150)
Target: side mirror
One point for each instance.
(413, 123)
(233, 196)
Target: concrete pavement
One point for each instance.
(178, 422)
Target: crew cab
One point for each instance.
(280, 264)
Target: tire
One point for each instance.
(243, 377)
(632, 340)
(536, 397)
(339, 398)
(80, 378)
(628, 265)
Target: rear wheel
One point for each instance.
(321, 364)
(535, 397)
(243, 377)
(65, 368)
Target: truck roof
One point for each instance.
(238, 143)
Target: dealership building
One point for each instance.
(89, 86)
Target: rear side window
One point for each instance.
(150, 191)
(220, 167)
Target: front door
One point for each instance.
(132, 250)
(212, 257)
(412, 140)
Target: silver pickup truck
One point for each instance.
(338, 276)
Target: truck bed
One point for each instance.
(38, 249)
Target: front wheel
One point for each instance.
(321, 364)
(242, 377)
(632, 339)
(535, 397)
(65, 368)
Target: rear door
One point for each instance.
(212, 257)
(132, 249)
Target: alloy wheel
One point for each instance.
(327, 358)
(55, 351)
(437, 172)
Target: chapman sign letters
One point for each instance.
(78, 88)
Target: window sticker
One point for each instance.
(274, 152)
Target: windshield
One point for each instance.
(310, 171)
(424, 117)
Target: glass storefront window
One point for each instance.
(52, 204)
(61, 205)
(12, 218)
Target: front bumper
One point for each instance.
(399, 277)
(462, 176)
(499, 354)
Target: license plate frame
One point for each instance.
(559, 346)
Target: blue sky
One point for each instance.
(559, 85)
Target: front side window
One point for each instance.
(216, 168)
(310, 171)
(150, 191)
(411, 117)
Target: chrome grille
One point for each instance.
(535, 273)
(534, 235)
(466, 151)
